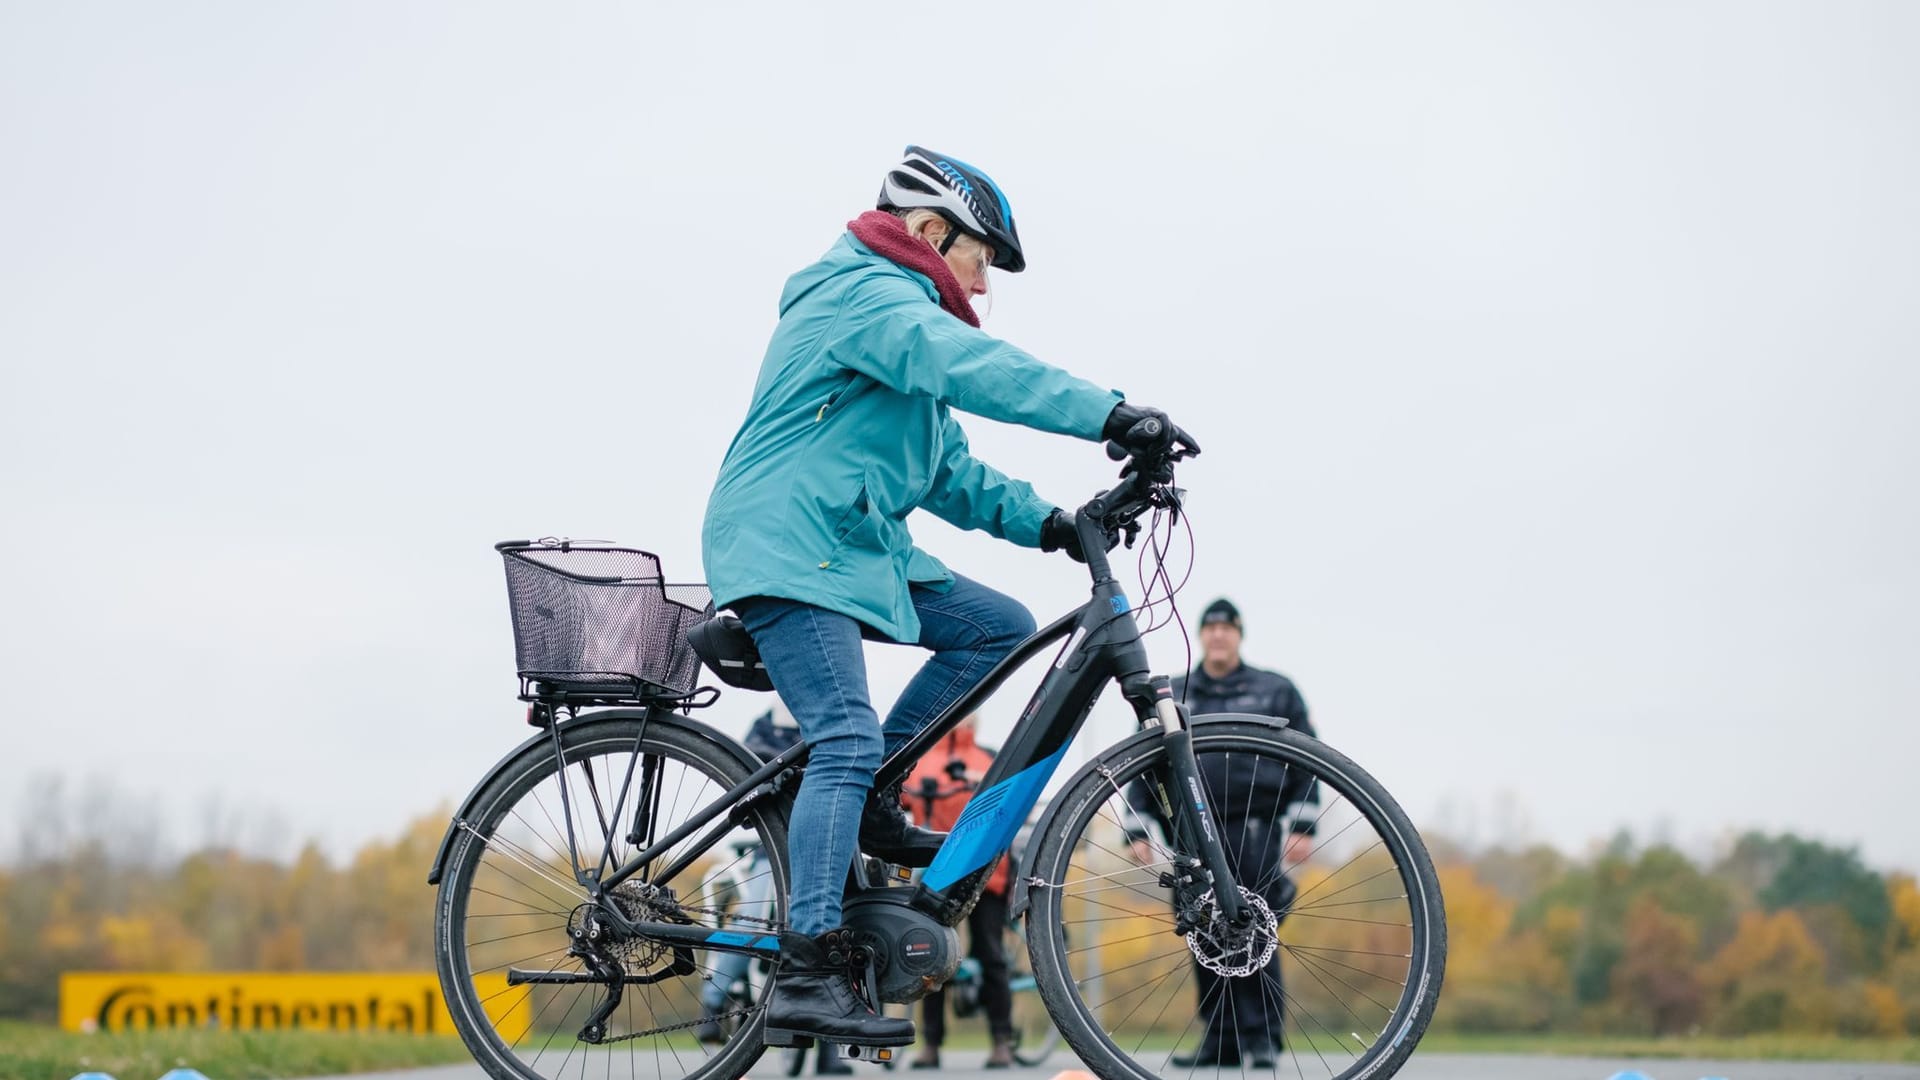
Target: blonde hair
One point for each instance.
(917, 220)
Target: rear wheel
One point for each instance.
(509, 900)
(1336, 975)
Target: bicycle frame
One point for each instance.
(1103, 644)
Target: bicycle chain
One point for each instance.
(716, 1018)
(721, 913)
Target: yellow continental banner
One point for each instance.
(261, 1001)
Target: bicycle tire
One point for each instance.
(673, 740)
(1034, 1036)
(1103, 779)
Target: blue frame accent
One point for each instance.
(990, 822)
(731, 937)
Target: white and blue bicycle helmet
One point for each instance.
(968, 198)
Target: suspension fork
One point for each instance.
(1190, 814)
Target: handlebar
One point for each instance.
(1145, 482)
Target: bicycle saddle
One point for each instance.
(723, 644)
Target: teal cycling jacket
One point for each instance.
(851, 429)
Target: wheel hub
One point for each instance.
(593, 931)
(1234, 951)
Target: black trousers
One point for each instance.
(1246, 1013)
(986, 936)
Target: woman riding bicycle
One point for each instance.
(850, 428)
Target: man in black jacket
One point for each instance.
(1243, 1023)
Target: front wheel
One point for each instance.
(1335, 975)
(1034, 1036)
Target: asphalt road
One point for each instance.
(965, 1065)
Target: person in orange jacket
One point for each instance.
(935, 792)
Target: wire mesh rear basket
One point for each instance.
(601, 615)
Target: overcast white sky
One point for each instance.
(1557, 369)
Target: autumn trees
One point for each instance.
(1779, 934)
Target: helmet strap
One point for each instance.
(953, 233)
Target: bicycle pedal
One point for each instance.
(857, 1052)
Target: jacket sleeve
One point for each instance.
(971, 494)
(889, 332)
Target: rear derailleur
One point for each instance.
(614, 955)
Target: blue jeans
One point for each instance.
(813, 656)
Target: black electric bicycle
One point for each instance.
(1172, 931)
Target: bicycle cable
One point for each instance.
(1159, 578)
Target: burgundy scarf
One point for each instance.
(887, 235)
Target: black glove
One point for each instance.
(1126, 426)
(1058, 534)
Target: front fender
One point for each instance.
(746, 757)
(1023, 890)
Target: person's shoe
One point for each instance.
(1261, 1058)
(813, 996)
(1205, 1057)
(887, 833)
(927, 1058)
(828, 1062)
(1001, 1056)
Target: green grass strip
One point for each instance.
(41, 1052)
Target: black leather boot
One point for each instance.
(813, 996)
(888, 834)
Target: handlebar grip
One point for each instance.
(1116, 452)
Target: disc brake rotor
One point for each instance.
(1235, 952)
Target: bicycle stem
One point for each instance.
(1090, 523)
